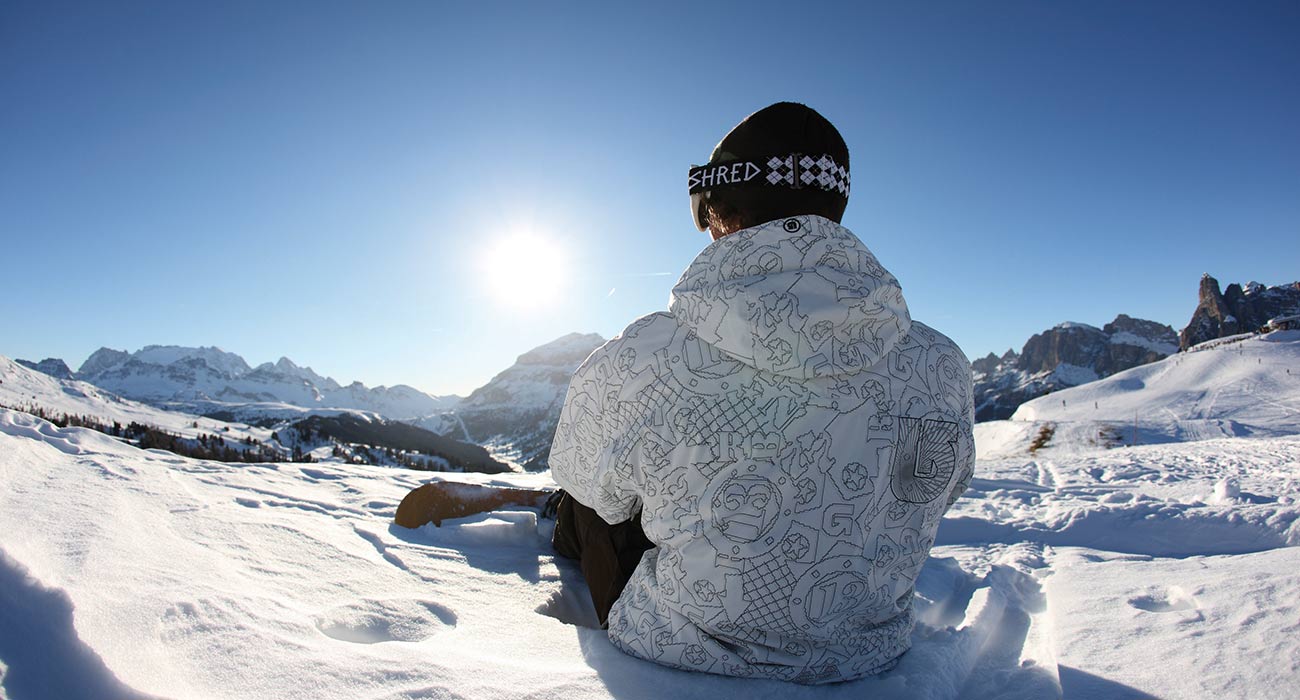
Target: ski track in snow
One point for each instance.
(1165, 570)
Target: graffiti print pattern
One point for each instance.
(792, 438)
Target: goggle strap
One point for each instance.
(793, 170)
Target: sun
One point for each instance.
(525, 270)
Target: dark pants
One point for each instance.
(607, 553)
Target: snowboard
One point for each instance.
(437, 501)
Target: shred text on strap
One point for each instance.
(724, 174)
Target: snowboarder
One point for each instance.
(755, 477)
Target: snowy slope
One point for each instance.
(1245, 388)
(514, 415)
(21, 386)
(150, 573)
(1167, 570)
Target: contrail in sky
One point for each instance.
(639, 274)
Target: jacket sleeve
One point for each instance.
(585, 454)
(965, 439)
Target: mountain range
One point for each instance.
(52, 366)
(279, 433)
(514, 415)
(207, 379)
(1066, 355)
(1071, 354)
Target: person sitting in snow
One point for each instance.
(754, 478)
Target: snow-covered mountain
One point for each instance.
(205, 378)
(1066, 355)
(1248, 386)
(515, 413)
(265, 431)
(22, 387)
(51, 365)
(1237, 309)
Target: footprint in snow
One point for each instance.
(374, 621)
(1173, 599)
(571, 605)
(319, 475)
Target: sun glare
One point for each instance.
(525, 271)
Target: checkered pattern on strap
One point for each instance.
(794, 170)
(823, 172)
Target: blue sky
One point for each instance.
(324, 180)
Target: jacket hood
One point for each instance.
(801, 297)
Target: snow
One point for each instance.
(1156, 500)
(198, 376)
(1072, 375)
(287, 367)
(262, 411)
(1126, 338)
(500, 529)
(59, 664)
(1225, 340)
(537, 380)
(1161, 570)
(1227, 490)
(215, 357)
(1228, 625)
(196, 579)
(1002, 438)
(1248, 387)
(21, 386)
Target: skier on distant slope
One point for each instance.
(785, 434)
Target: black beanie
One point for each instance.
(780, 129)
(785, 127)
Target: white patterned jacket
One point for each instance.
(793, 439)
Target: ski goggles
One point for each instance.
(792, 170)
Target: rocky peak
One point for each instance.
(1141, 328)
(285, 367)
(1236, 309)
(1075, 344)
(985, 365)
(566, 350)
(104, 359)
(52, 366)
(991, 363)
(1066, 355)
(520, 406)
